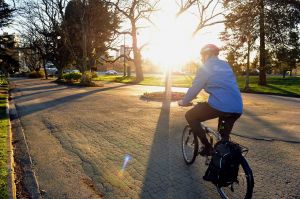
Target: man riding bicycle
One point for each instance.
(216, 78)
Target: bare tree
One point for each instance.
(42, 20)
(209, 12)
(134, 12)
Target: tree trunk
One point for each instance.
(262, 57)
(84, 53)
(292, 66)
(60, 73)
(137, 57)
(44, 66)
(247, 88)
(124, 61)
(84, 40)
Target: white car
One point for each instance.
(111, 72)
(51, 70)
(71, 71)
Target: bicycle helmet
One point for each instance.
(210, 49)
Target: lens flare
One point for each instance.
(126, 160)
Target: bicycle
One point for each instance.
(190, 149)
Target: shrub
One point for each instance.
(94, 74)
(36, 74)
(86, 79)
(3, 80)
(72, 77)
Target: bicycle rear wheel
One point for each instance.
(244, 188)
(190, 145)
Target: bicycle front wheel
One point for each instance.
(242, 189)
(190, 145)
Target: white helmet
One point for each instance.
(210, 49)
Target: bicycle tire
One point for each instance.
(194, 144)
(249, 180)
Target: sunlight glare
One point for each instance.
(171, 41)
(171, 44)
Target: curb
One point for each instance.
(21, 153)
(12, 191)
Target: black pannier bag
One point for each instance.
(224, 166)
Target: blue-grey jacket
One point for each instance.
(217, 78)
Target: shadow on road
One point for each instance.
(277, 133)
(157, 175)
(167, 176)
(289, 99)
(37, 93)
(36, 88)
(32, 108)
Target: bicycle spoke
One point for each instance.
(238, 189)
(189, 146)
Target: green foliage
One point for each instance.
(77, 79)
(3, 80)
(3, 144)
(9, 56)
(37, 74)
(70, 77)
(86, 79)
(275, 22)
(5, 14)
(97, 20)
(92, 74)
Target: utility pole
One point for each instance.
(124, 64)
(168, 85)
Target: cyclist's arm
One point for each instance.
(198, 84)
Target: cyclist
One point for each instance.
(218, 80)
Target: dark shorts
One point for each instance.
(203, 111)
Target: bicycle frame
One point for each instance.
(209, 130)
(218, 137)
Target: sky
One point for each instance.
(171, 42)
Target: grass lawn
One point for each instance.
(3, 141)
(290, 86)
(150, 81)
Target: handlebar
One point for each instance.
(189, 104)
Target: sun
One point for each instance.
(171, 45)
(171, 41)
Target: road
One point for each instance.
(78, 138)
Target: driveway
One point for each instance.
(78, 139)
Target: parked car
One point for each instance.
(111, 72)
(51, 70)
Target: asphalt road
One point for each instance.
(78, 139)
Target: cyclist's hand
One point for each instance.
(180, 103)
